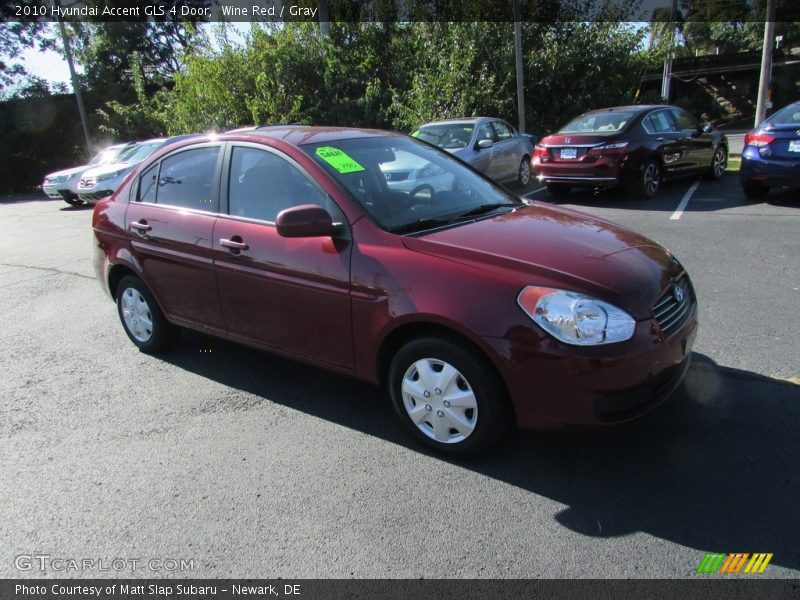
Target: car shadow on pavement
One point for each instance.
(714, 469)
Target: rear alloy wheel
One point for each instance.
(755, 191)
(559, 189)
(141, 316)
(718, 163)
(524, 175)
(649, 180)
(447, 396)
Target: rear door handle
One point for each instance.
(233, 245)
(660, 139)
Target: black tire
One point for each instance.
(73, 200)
(524, 172)
(647, 182)
(719, 162)
(472, 381)
(148, 338)
(559, 189)
(755, 191)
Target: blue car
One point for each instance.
(490, 145)
(771, 154)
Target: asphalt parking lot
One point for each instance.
(250, 465)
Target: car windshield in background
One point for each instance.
(599, 123)
(454, 135)
(789, 115)
(407, 186)
(138, 153)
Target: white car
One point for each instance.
(63, 185)
(100, 182)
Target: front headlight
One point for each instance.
(575, 318)
(107, 176)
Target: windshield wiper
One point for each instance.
(421, 225)
(486, 208)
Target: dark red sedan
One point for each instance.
(475, 309)
(633, 147)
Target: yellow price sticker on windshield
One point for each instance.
(339, 160)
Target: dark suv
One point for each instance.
(635, 147)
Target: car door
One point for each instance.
(663, 135)
(506, 150)
(701, 144)
(290, 294)
(171, 217)
(484, 159)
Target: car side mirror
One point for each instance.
(483, 143)
(306, 220)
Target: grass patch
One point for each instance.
(733, 164)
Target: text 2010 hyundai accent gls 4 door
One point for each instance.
(474, 309)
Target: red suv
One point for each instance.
(475, 309)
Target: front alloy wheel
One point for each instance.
(448, 396)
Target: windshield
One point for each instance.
(450, 136)
(108, 155)
(599, 123)
(407, 186)
(138, 153)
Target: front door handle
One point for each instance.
(140, 226)
(235, 244)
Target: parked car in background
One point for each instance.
(635, 147)
(63, 185)
(771, 153)
(101, 181)
(473, 308)
(490, 145)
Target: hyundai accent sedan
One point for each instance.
(632, 147)
(475, 310)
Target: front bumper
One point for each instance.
(93, 195)
(551, 384)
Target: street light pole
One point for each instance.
(518, 60)
(74, 76)
(766, 63)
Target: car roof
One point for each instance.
(299, 135)
(629, 107)
(461, 121)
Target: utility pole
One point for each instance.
(766, 63)
(518, 56)
(324, 18)
(668, 59)
(73, 75)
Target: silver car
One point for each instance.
(63, 185)
(490, 145)
(102, 181)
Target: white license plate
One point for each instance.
(794, 146)
(569, 153)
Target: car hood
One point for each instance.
(69, 172)
(97, 171)
(555, 247)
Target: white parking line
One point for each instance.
(684, 201)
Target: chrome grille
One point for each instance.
(674, 308)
